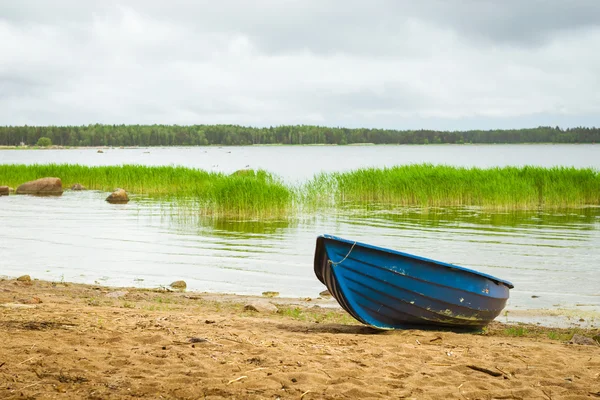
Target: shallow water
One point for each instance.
(553, 258)
(78, 237)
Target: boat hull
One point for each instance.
(387, 289)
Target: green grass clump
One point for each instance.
(317, 315)
(244, 194)
(427, 185)
(516, 331)
(539, 332)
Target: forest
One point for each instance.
(235, 135)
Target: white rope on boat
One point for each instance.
(343, 259)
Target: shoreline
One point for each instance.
(90, 341)
(550, 318)
(217, 146)
(543, 318)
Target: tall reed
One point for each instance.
(260, 194)
(429, 185)
(248, 193)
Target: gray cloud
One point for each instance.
(513, 22)
(383, 63)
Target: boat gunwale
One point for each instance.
(408, 255)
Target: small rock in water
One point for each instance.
(261, 307)
(100, 151)
(270, 294)
(4, 190)
(77, 186)
(118, 196)
(178, 285)
(535, 296)
(24, 278)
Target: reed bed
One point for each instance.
(427, 185)
(245, 193)
(258, 194)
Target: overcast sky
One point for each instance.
(380, 63)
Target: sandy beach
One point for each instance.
(74, 341)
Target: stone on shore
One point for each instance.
(31, 300)
(178, 285)
(118, 196)
(117, 294)
(78, 186)
(48, 186)
(583, 340)
(261, 307)
(4, 190)
(24, 278)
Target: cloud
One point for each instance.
(517, 23)
(390, 64)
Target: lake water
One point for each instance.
(78, 237)
(302, 162)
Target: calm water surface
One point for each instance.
(553, 256)
(302, 162)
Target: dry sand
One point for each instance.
(72, 341)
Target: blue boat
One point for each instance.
(388, 289)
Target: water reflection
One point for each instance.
(578, 219)
(549, 228)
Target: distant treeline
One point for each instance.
(203, 135)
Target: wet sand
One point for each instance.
(74, 341)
